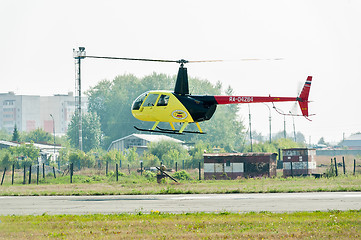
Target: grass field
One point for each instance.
(264, 225)
(134, 184)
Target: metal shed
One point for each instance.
(233, 165)
(298, 161)
(140, 141)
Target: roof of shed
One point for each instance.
(149, 138)
(236, 154)
(354, 137)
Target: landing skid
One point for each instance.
(159, 131)
(171, 131)
(176, 131)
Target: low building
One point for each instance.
(234, 165)
(140, 141)
(46, 150)
(353, 142)
(298, 161)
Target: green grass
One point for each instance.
(135, 185)
(264, 225)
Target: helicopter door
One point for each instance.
(163, 101)
(148, 106)
(162, 108)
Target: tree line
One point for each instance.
(109, 118)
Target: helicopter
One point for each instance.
(181, 107)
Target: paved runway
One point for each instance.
(273, 202)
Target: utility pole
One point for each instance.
(294, 127)
(78, 55)
(284, 126)
(270, 119)
(250, 128)
(51, 115)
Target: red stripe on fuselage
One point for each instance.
(250, 99)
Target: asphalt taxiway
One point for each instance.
(272, 202)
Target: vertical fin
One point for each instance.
(303, 97)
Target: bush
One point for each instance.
(182, 175)
(149, 174)
(81, 160)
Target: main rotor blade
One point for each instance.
(182, 61)
(135, 59)
(236, 60)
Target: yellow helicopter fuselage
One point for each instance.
(160, 106)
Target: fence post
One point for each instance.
(71, 172)
(116, 171)
(291, 169)
(30, 174)
(44, 170)
(106, 168)
(120, 164)
(343, 164)
(199, 167)
(2, 179)
(37, 175)
(24, 174)
(12, 175)
(176, 166)
(336, 168)
(54, 172)
(354, 166)
(141, 168)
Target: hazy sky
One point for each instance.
(318, 38)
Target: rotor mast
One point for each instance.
(181, 85)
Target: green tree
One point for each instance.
(113, 156)
(16, 135)
(26, 153)
(168, 152)
(111, 100)
(273, 147)
(80, 159)
(150, 160)
(132, 156)
(6, 158)
(38, 135)
(322, 141)
(197, 152)
(90, 128)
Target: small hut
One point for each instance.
(298, 161)
(233, 165)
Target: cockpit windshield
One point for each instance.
(138, 102)
(150, 100)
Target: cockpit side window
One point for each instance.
(138, 102)
(163, 100)
(150, 100)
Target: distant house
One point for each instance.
(353, 142)
(46, 150)
(140, 141)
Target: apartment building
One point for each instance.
(31, 112)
